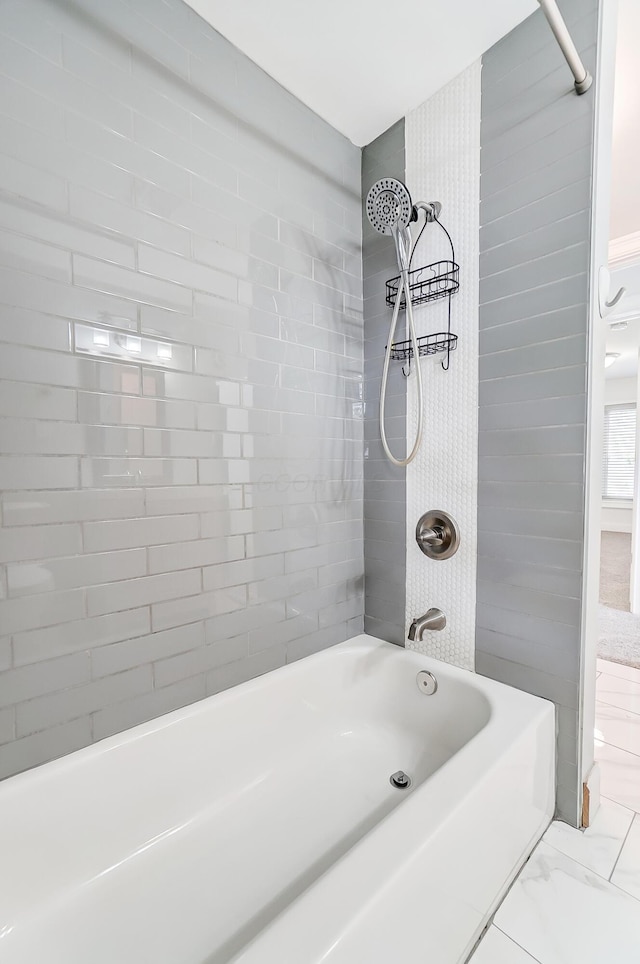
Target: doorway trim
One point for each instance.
(589, 786)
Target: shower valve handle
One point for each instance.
(437, 534)
(432, 537)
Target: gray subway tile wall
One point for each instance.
(536, 159)
(181, 404)
(384, 484)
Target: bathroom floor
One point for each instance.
(577, 900)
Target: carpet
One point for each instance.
(615, 569)
(619, 636)
(618, 629)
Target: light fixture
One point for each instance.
(164, 351)
(101, 338)
(610, 358)
(131, 343)
(618, 326)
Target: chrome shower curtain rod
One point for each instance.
(583, 78)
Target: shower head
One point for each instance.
(389, 205)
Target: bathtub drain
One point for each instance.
(400, 780)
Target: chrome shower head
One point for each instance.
(389, 205)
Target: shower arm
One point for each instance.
(431, 209)
(402, 235)
(582, 77)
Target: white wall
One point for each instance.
(617, 516)
(617, 391)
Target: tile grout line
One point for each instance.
(614, 746)
(624, 679)
(492, 920)
(634, 672)
(621, 849)
(625, 805)
(576, 860)
(623, 709)
(536, 959)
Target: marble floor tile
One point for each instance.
(496, 948)
(618, 669)
(618, 691)
(619, 775)
(627, 872)
(563, 913)
(618, 727)
(598, 847)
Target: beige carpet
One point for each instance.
(619, 630)
(619, 636)
(615, 570)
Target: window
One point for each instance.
(619, 454)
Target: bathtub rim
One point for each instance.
(518, 700)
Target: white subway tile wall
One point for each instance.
(181, 372)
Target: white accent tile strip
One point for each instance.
(443, 164)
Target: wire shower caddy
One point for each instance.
(432, 282)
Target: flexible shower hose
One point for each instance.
(404, 284)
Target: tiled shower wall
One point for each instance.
(537, 140)
(384, 484)
(181, 367)
(443, 164)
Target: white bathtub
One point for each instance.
(259, 826)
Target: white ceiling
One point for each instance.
(625, 196)
(363, 64)
(626, 343)
(625, 189)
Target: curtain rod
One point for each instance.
(583, 78)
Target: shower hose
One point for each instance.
(403, 285)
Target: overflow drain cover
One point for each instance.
(400, 780)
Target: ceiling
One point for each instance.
(625, 190)
(625, 195)
(363, 64)
(626, 343)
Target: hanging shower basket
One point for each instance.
(429, 283)
(427, 345)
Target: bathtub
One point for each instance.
(260, 825)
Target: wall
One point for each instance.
(384, 484)
(617, 517)
(443, 163)
(536, 162)
(181, 428)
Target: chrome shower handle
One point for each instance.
(437, 534)
(432, 537)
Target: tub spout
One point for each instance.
(433, 619)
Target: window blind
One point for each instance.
(619, 452)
